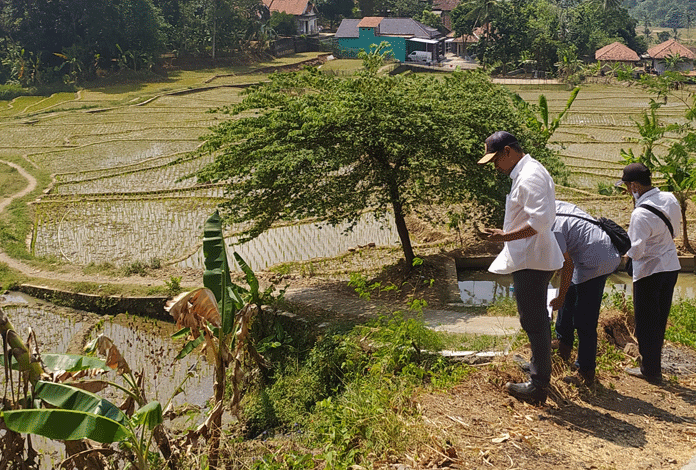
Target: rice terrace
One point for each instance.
(114, 212)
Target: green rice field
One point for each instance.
(119, 195)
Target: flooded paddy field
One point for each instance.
(121, 191)
(144, 343)
(482, 288)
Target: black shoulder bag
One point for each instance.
(619, 237)
(660, 214)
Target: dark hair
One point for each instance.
(516, 147)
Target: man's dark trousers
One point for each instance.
(531, 288)
(652, 299)
(580, 312)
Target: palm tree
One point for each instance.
(675, 33)
(689, 20)
(646, 23)
(481, 11)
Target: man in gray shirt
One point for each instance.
(590, 257)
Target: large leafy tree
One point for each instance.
(332, 147)
(93, 27)
(334, 11)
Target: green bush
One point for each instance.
(351, 393)
(682, 323)
(136, 267)
(11, 91)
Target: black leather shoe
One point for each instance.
(586, 378)
(564, 351)
(527, 391)
(636, 372)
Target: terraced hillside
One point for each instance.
(120, 194)
(599, 125)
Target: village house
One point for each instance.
(444, 8)
(617, 53)
(404, 35)
(671, 48)
(304, 12)
(460, 46)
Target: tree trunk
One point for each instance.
(403, 233)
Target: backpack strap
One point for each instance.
(592, 221)
(660, 214)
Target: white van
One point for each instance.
(420, 56)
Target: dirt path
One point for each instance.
(71, 273)
(31, 185)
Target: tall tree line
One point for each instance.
(664, 13)
(551, 33)
(74, 39)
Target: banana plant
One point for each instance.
(68, 384)
(78, 414)
(538, 115)
(219, 316)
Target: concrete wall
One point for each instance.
(152, 307)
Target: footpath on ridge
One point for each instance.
(452, 321)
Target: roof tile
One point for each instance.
(291, 7)
(616, 52)
(670, 47)
(370, 22)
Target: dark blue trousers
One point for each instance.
(652, 300)
(580, 312)
(531, 287)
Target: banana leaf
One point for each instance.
(150, 415)
(67, 425)
(216, 276)
(73, 399)
(72, 362)
(251, 279)
(13, 362)
(182, 333)
(190, 346)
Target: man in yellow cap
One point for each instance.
(531, 253)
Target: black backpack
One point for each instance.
(619, 237)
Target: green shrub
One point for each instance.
(11, 91)
(503, 307)
(136, 267)
(682, 323)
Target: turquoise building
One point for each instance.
(404, 36)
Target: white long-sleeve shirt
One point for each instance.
(531, 201)
(652, 246)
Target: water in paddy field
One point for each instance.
(481, 288)
(145, 344)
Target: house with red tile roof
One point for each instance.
(617, 52)
(460, 45)
(444, 8)
(669, 49)
(303, 10)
